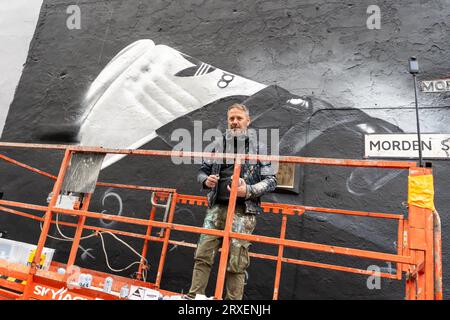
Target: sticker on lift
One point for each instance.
(141, 293)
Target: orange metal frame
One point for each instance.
(418, 242)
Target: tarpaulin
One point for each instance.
(421, 191)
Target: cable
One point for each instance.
(69, 239)
(126, 244)
(55, 238)
(65, 238)
(107, 260)
(144, 271)
(131, 248)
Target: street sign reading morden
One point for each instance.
(406, 145)
(440, 85)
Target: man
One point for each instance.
(256, 179)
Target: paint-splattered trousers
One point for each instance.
(208, 246)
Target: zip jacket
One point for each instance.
(259, 176)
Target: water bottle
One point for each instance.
(107, 287)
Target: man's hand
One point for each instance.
(211, 181)
(242, 189)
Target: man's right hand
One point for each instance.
(211, 181)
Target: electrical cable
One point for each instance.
(66, 237)
(127, 245)
(69, 239)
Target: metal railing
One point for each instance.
(418, 242)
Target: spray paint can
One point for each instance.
(107, 287)
(124, 292)
(88, 279)
(61, 271)
(82, 280)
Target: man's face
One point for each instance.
(238, 121)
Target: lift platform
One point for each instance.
(418, 258)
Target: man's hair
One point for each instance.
(239, 106)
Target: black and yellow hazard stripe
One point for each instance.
(11, 279)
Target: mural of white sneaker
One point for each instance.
(146, 86)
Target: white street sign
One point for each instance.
(434, 146)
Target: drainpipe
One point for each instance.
(437, 256)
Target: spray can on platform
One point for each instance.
(82, 280)
(88, 280)
(124, 292)
(107, 287)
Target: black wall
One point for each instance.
(316, 49)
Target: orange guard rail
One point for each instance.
(418, 244)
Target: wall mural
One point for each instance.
(149, 85)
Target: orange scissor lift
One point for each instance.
(418, 256)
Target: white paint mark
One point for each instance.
(86, 253)
(108, 193)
